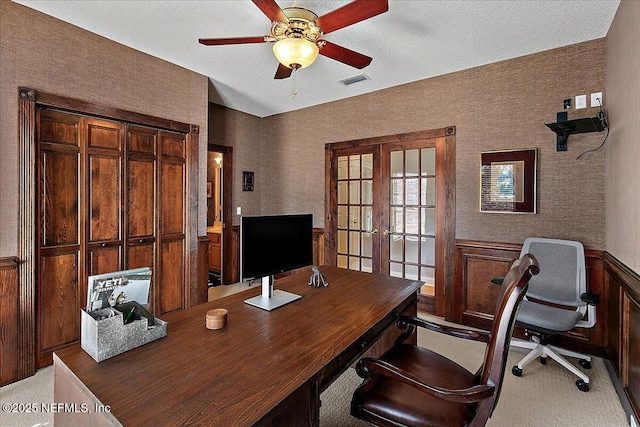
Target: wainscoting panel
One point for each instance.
(8, 320)
(623, 326)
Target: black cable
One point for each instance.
(602, 116)
(595, 149)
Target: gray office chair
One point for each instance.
(561, 282)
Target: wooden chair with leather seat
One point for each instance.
(413, 386)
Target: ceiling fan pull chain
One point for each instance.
(293, 82)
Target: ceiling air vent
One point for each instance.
(354, 79)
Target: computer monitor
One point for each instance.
(270, 245)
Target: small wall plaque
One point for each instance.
(247, 181)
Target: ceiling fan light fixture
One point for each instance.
(295, 52)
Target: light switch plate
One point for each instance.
(594, 99)
(581, 101)
(238, 210)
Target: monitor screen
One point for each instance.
(275, 244)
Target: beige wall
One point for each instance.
(499, 106)
(245, 134)
(623, 146)
(52, 56)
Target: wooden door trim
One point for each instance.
(228, 263)
(28, 101)
(445, 262)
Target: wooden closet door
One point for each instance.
(141, 199)
(104, 141)
(172, 238)
(60, 293)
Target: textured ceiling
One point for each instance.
(414, 40)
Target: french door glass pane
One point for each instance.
(427, 221)
(411, 249)
(367, 166)
(354, 192)
(395, 269)
(342, 168)
(354, 217)
(367, 265)
(412, 191)
(412, 163)
(397, 164)
(343, 196)
(411, 220)
(343, 219)
(428, 163)
(367, 192)
(367, 245)
(354, 243)
(397, 191)
(342, 261)
(342, 241)
(354, 167)
(367, 218)
(396, 246)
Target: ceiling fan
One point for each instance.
(297, 34)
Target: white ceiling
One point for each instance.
(414, 40)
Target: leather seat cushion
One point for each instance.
(394, 400)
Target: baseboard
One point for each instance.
(617, 385)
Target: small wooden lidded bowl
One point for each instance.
(217, 318)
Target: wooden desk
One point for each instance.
(265, 368)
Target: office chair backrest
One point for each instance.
(512, 291)
(562, 271)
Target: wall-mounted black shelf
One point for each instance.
(563, 128)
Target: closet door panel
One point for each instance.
(105, 209)
(105, 259)
(59, 196)
(59, 302)
(170, 292)
(141, 198)
(173, 195)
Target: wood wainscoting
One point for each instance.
(622, 322)
(476, 263)
(9, 316)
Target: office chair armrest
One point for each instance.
(591, 299)
(367, 367)
(482, 336)
(497, 280)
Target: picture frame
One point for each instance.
(247, 181)
(209, 189)
(508, 181)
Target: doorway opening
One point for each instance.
(219, 175)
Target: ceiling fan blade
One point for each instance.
(344, 55)
(271, 9)
(232, 40)
(349, 14)
(282, 72)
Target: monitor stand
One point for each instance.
(270, 298)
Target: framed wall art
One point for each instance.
(247, 181)
(508, 181)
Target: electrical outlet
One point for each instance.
(581, 101)
(596, 99)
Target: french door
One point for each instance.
(387, 209)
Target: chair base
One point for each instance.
(545, 350)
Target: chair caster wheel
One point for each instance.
(543, 360)
(585, 363)
(582, 386)
(516, 371)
